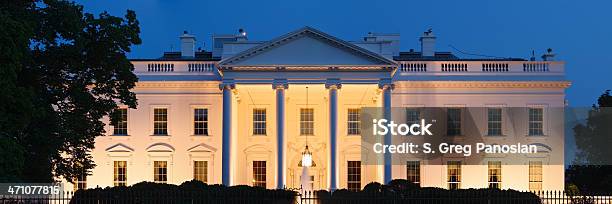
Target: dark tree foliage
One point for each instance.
(589, 179)
(61, 71)
(594, 136)
(592, 172)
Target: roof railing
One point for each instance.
(174, 67)
(470, 67)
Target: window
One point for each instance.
(160, 171)
(494, 118)
(200, 171)
(354, 121)
(259, 121)
(413, 116)
(354, 175)
(535, 176)
(200, 121)
(259, 173)
(453, 174)
(120, 127)
(413, 172)
(160, 121)
(120, 173)
(536, 121)
(306, 121)
(495, 177)
(80, 182)
(453, 121)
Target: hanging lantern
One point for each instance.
(306, 158)
(306, 154)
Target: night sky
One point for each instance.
(579, 32)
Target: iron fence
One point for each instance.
(457, 197)
(152, 197)
(308, 197)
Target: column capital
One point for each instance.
(280, 84)
(386, 84)
(226, 85)
(333, 84)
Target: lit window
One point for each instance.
(160, 121)
(259, 173)
(413, 172)
(120, 173)
(495, 175)
(120, 127)
(80, 182)
(259, 121)
(200, 171)
(413, 116)
(535, 176)
(494, 118)
(536, 121)
(354, 176)
(354, 121)
(306, 121)
(160, 171)
(453, 174)
(453, 121)
(200, 121)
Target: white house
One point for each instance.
(241, 113)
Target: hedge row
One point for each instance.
(402, 191)
(188, 192)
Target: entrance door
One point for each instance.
(310, 181)
(313, 177)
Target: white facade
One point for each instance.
(260, 75)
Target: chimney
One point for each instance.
(549, 55)
(187, 44)
(428, 43)
(370, 37)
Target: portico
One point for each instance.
(296, 61)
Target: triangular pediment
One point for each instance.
(119, 148)
(306, 47)
(202, 148)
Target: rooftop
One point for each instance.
(382, 45)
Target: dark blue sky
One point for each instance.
(580, 32)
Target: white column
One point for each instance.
(333, 133)
(280, 132)
(226, 134)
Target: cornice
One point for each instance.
(483, 84)
(397, 84)
(178, 84)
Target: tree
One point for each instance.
(65, 70)
(13, 53)
(593, 138)
(592, 170)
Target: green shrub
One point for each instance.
(403, 191)
(187, 192)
